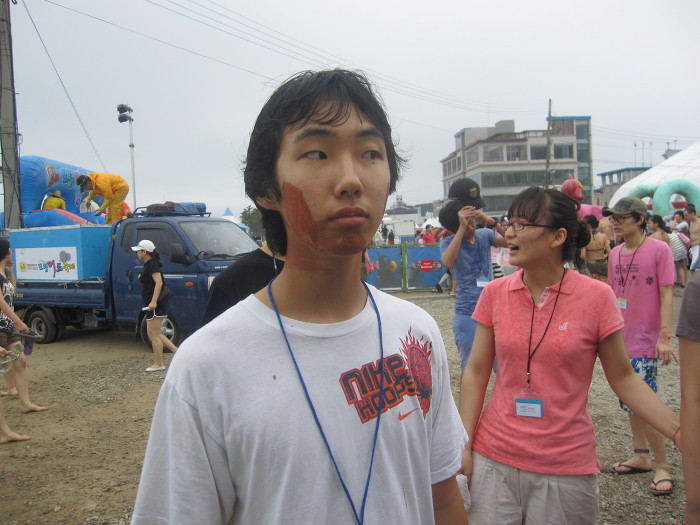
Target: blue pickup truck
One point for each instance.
(87, 276)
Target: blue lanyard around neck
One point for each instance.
(361, 516)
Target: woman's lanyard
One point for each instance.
(619, 263)
(361, 516)
(530, 352)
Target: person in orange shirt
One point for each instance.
(111, 187)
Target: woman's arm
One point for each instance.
(690, 422)
(632, 390)
(10, 274)
(9, 312)
(475, 380)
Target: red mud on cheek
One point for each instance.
(299, 220)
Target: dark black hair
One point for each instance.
(553, 207)
(640, 219)
(4, 248)
(690, 208)
(592, 220)
(326, 97)
(658, 219)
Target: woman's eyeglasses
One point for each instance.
(519, 226)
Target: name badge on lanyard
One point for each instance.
(529, 405)
(622, 303)
(481, 282)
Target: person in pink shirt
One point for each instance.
(641, 272)
(532, 452)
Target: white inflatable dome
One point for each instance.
(678, 174)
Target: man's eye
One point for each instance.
(315, 155)
(372, 154)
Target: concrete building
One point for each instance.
(612, 180)
(504, 161)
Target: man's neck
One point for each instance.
(634, 240)
(320, 295)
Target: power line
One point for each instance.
(65, 89)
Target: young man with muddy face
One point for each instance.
(319, 399)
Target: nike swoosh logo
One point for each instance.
(404, 416)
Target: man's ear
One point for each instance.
(268, 203)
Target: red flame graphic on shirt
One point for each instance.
(417, 356)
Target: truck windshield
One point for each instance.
(218, 239)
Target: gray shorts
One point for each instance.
(505, 495)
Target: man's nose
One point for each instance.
(349, 182)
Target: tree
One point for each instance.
(252, 218)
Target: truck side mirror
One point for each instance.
(178, 254)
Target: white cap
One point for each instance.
(144, 245)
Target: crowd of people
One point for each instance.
(306, 372)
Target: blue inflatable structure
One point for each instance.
(38, 176)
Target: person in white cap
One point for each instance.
(155, 295)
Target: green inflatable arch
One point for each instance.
(662, 196)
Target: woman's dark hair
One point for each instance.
(326, 97)
(592, 221)
(660, 222)
(155, 254)
(4, 248)
(677, 213)
(552, 207)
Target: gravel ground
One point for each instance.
(83, 463)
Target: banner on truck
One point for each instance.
(46, 264)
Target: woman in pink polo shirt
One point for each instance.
(532, 453)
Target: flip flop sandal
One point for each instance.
(630, 469)
(657, 492)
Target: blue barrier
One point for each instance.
(404, 267)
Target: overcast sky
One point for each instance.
(196, 73)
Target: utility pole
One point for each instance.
(547, 174)
(8, 123)
(125, 112)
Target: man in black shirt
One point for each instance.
(245, 276)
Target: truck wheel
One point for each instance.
(60, 332)
(40, 323)
(169, 329)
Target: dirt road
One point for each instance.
(83, 464)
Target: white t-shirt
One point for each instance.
(233, 439)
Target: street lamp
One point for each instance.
(125, 116)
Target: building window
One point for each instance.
(493, 153)
(584, 175)
(492, 180)
(516, 178)
(498, 202)
(583, 153)
(538, 152)
(582, 132)
(563, 151)
(472, 156)
(563, 127)
(459, 163)
(516, 153)
(536, 178)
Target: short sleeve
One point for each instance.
(667, 271)
(483, 311)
